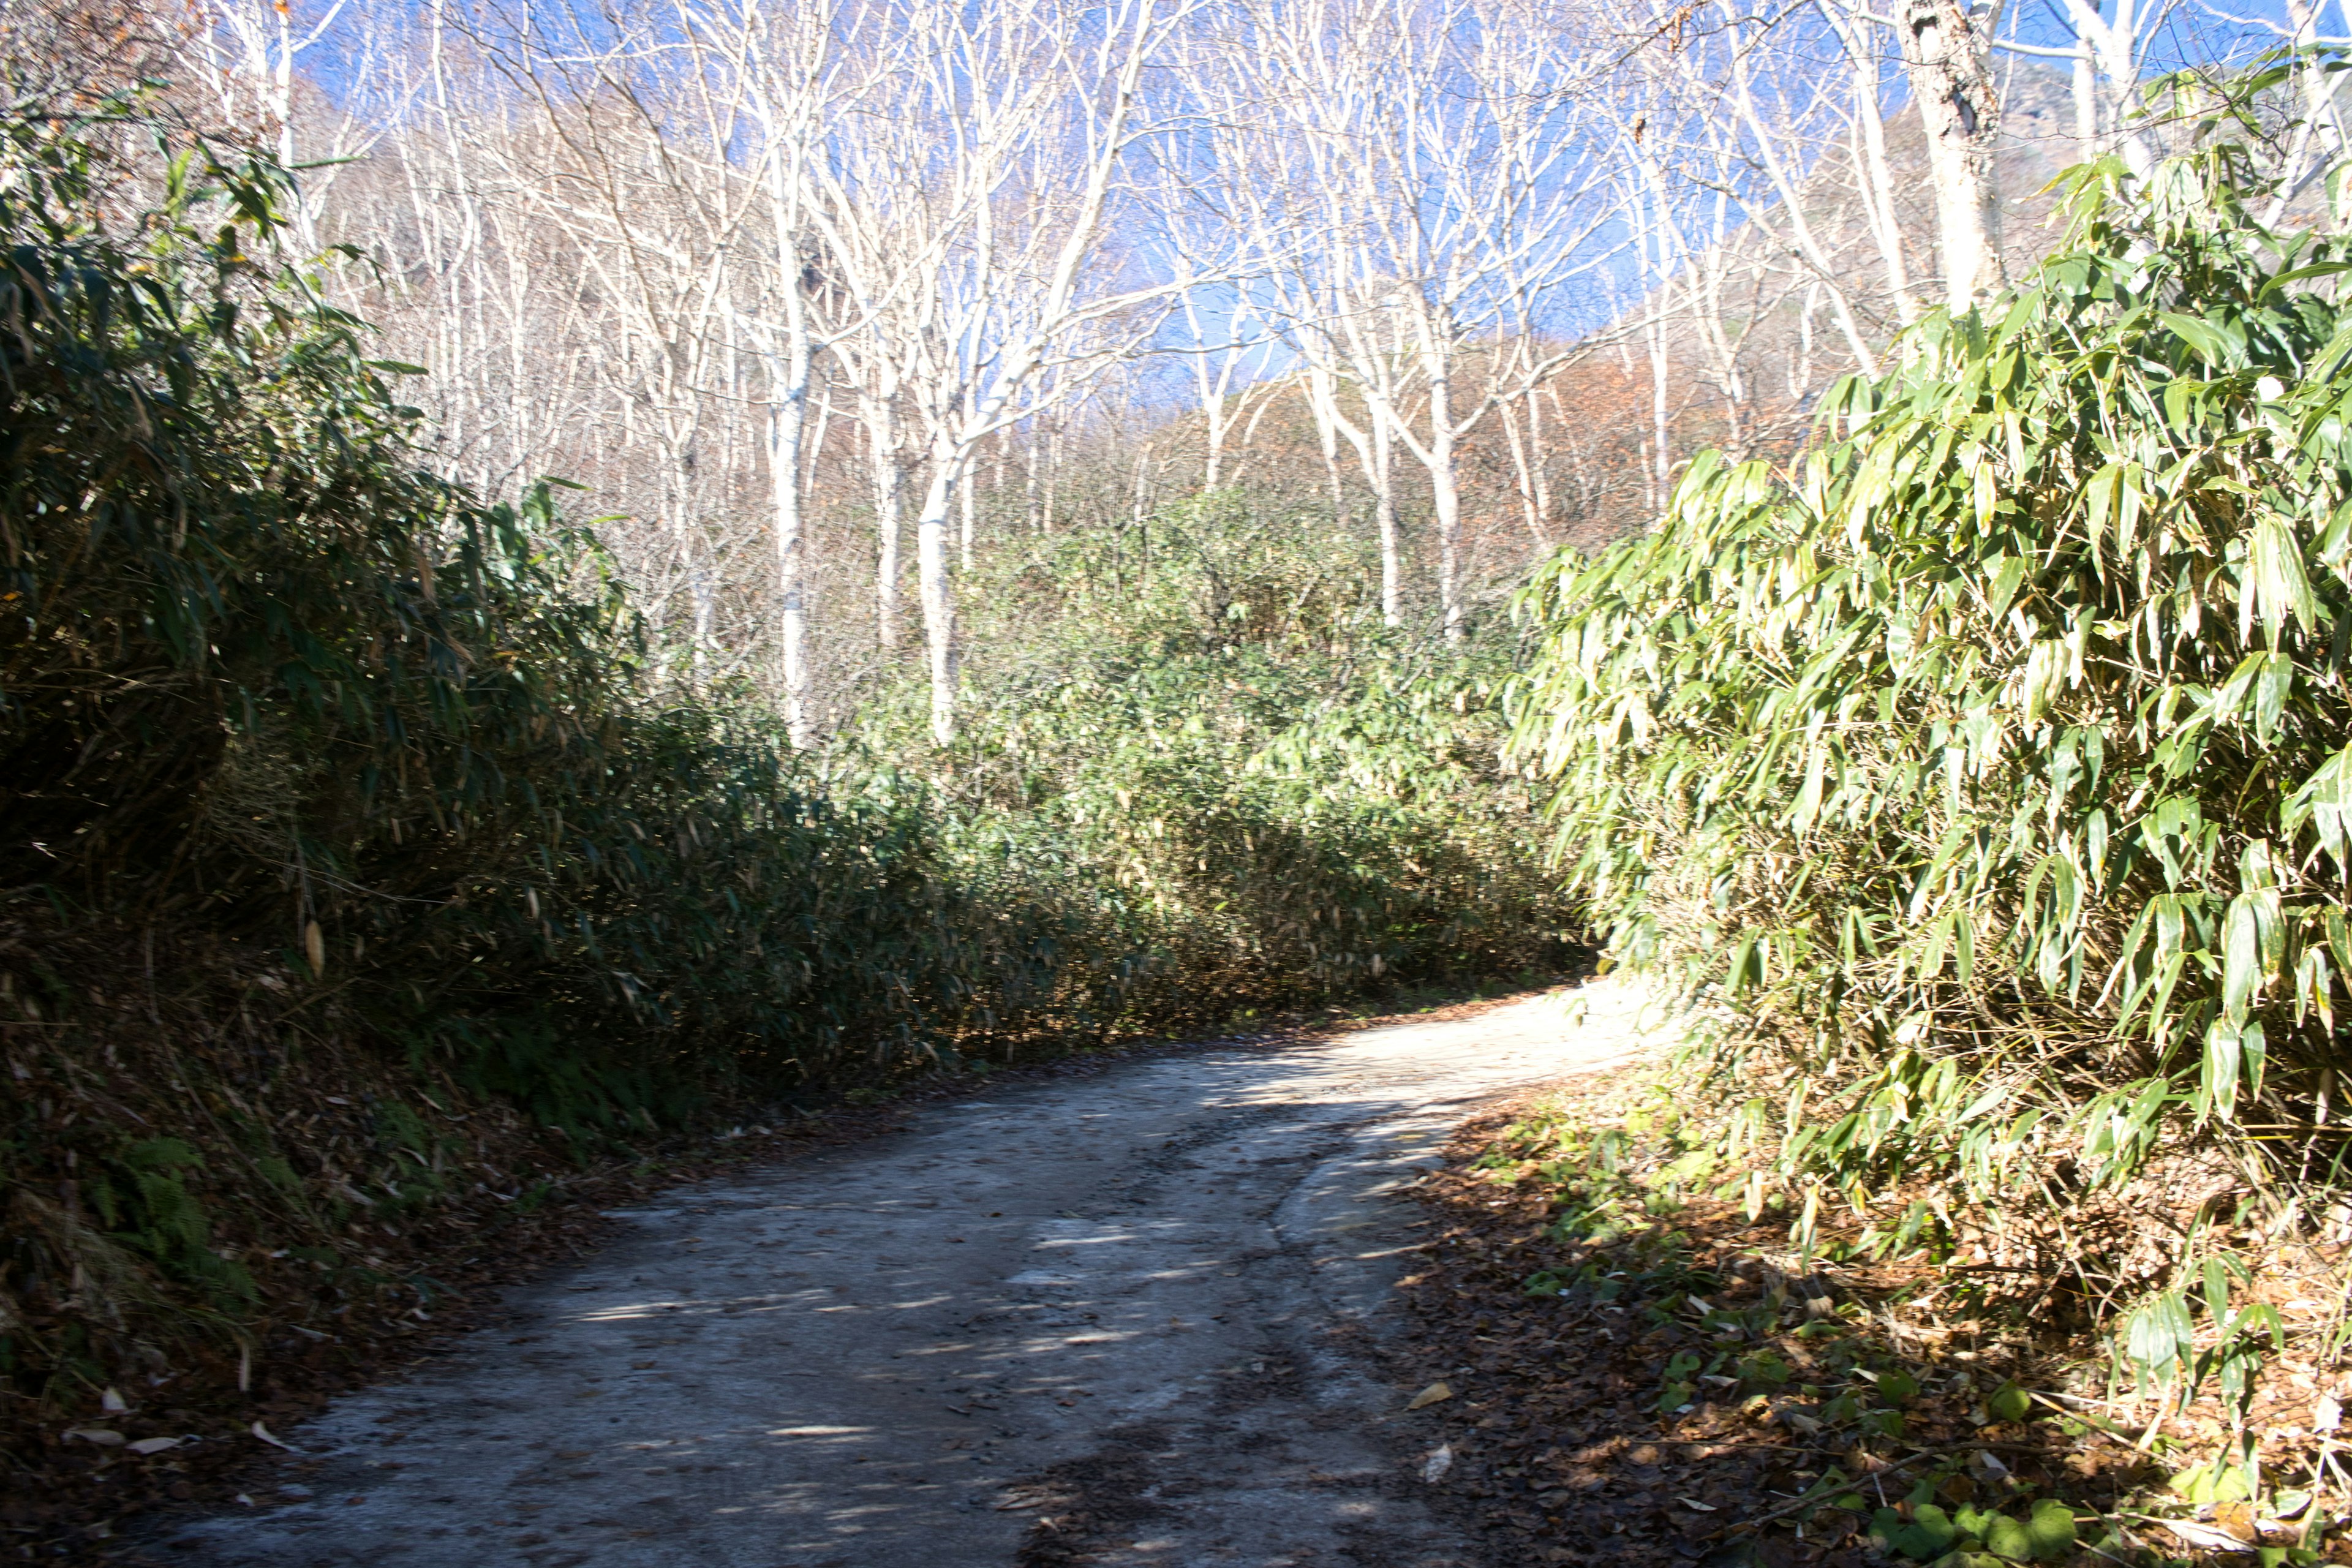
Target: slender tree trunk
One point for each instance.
(787, 415)
(2319, 139)
(282, 104)
(1801, 372)
(1053, 477)
(1661, 442)
(1951, 81)
(1792, 192)
(1319, 399)
(1521, 472)
(1029, 481)
(686, 548)
(967, 495)
(2114, 48)
(889, 463)
(1446, 496)
(937, 593)
(788, 410)
(705, 599)
(1384, 513)
(1539, 469)
(2086, 83)
(812, 454)
(1213, 423)
(1212, 386)
(967, 503)
(1878, 182)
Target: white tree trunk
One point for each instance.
(1052, 479)
(1540, 470)
(1952, 83)
(787, 432)
(789, 416)
(1384, 513)
(1789, 186)
(1661, 477)
(2085, 84)
(967, 503)
(2115, 49)
(1029, 480)
(1523, 473)
(1320, 399)
(1877, 179)
(938, 592)
(889, 466)
(966, 492)
(1445, 495)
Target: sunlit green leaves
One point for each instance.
(2010, 730)
(2277, 585)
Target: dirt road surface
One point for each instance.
(1120, 1321)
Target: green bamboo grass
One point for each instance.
(1987, 768)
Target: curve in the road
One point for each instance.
(1111, 1321)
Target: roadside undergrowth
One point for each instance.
(1981, 781)
(1640, 1365)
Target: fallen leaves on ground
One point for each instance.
(1674, 1388)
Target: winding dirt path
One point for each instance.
(1120, 1321)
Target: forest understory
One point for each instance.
(1620, 1366)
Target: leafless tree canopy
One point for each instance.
(781, 285)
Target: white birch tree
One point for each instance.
(968, 222)
(1411, 204)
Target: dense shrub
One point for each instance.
(1212, 744)
(268, 677)
(1988, 767)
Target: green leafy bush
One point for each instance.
(1214, 753)
(1989, 763)
(267, 677)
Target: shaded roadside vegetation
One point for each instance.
(356, 888)
(1981, 778)
(1635, 1370)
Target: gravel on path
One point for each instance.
(1117, 1322)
